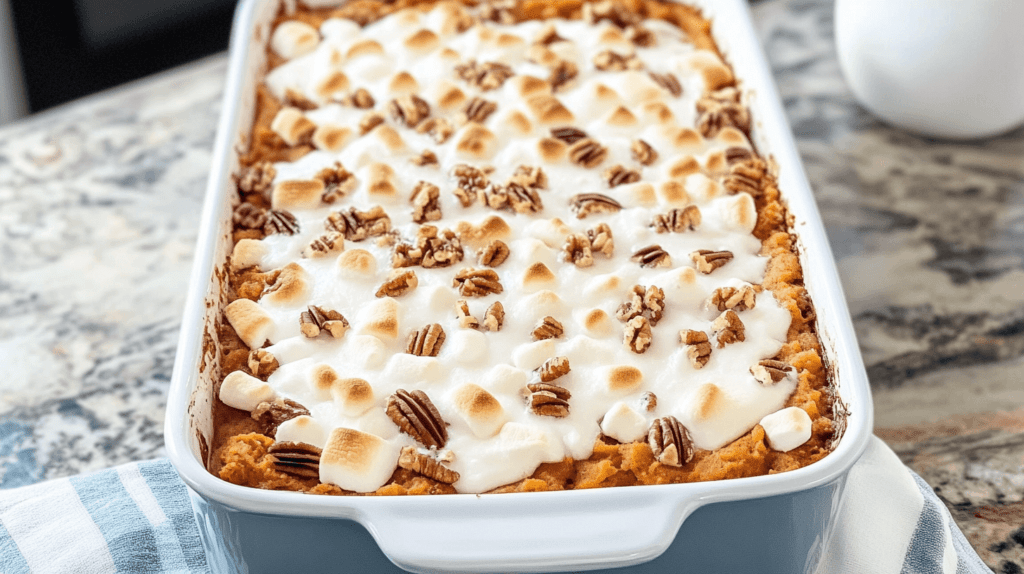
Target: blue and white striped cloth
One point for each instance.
(137, 518)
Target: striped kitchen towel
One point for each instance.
(137, 518)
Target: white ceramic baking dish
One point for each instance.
(776, 523)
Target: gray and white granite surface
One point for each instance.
(99, 206)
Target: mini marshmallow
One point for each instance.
(624, 424)
(479, 234)
(389, 137)
(364, 48)
(333, 138)
(297, 194)
(787, 429)
(681, 166)
(538, 276)
(357, 461)
(381, 318)
(332, 86)
(292, 39)
(403, 83)
(368, 351)
(539, 305)
(248, 253)
(439, 298)
(476, 142)
(684, 138)
(715, 164)
(506, 379)
(322, 379)
(529, 356)
(551, 232)
(357, 264)
(449, 96)
(292, 286)
(467, 346)
(623, 379)
(302, 429)
(596, 322)
(739, 212)
(715, 72)
(481, 411)
(549, 111)
(292, 126)
(245, 392)
(702, 189)
(413, 369)
(673, 193)
(641, 193)
(352, 396)
(252, 324)
(380, 180)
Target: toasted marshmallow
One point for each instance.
(476, 142)
(403, 84)
(248, 253)
(715, 164)
(739, 212)
(623, 423)
(702, 189)
(621, 117)
(657, 112)
(641, 193)
(380, 180)
(492, 227)
(596, 322)
(716, 74)
(787, 429)
(292, 125)
(357, 461)
(412, 368)
(364, 48)
(381, 318)
(467, 346)
(252, 324)
(529, 356)
(390, 137)
(527, 251)
(506, 379)
(245, 392)
(684, 138)
(551, 150)
(673, 193)
(481, 411)
(352, 396)
(292, 39)
(368, 351)
(624, 379)
(681, 166)
(732, 137)
(292, 286)
(549, 111)
(322, 380)
(539, 305)
(603, 285)
(538, 276)
(329, 137)
(297, 194)
(302, 429)
(449, 96)
(551, 231)
(422, 41)
(333, 86)
(529, 86)
(357, 264)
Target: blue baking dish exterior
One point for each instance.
(767, 524)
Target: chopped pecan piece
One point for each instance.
(553, 368)
(741, 299)
(426, 202)
(721, 109)
(577, 250)
(257, 178)
(769, 371)
(748, 176)
(425, 158)
(270, 414)
(358, 225)
(326, 243)
(477, 282)
(637, 334)
(315, 319)
(619, 174)
(425, 342)
(494, 317)
(670, 441)
(410, 110)
(611, 61)
(466, 319)
(736, 154)
(471, 181)
(530, 176)
(280, 221)
(549, 35)
(362, 99)
(549, 400)
(479, 109)
(587, 153)
(649, 401)
(640, 36)
(562, 73)
(425, 465)
(493, 254)
(548, 328)
(296, 458)
(669, 81)
(677, 220)
(610, 10)
(262, 363)
(698, 347)
(370, 121)
(652, 256)
(569, 135)
(338, 182)
(399, 283)
(643, 153)
(601, 240)
(728, 329)
(513, 196)
(486, 76)
(708, 260)
(433, 248)
(249, 216)
(500, 11)
(584, 204)
(417, 417)
(438, 128)
(643, 301)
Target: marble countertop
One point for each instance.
(100, 201)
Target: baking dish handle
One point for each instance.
(532, 532)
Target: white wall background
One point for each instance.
(12, 90)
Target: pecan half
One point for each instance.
(750, 176)
(611, 61)
(494, 317)
(270, 414)
(425, 158)
(410, 110)
(769, 371)
(358, 225)
(325, 244)
(669, 81)
(737, 154)
(569, 135)
(728, 329)
(584, 204)
(577, 250)
(698, 347)
(619, 174)
(486, 76)
(470, 182)
(361, 99)
(708, 260)
(637, 335)
(553, 368)
(411, 460)
(296, 458)
(256, 178)
(562, 73)
(417, 417)
(643, 301)
(677, 220)
(426, 202)
(643, 153)
(493, 254)
(740, 299)
(587, 153)
(438, 128)
(432, 248)
(399, 283)
(262, 363)
(549, 400)
(315, 319)
(249, 216)
(548, 328)
(721, 109)
(466, 319)
(479, 109)
(670, 441)
(280, 221)
(338, 182)
(477, 282)
(426, 342)
(652, 256)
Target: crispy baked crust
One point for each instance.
(240, 452)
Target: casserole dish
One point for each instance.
(263, 530)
